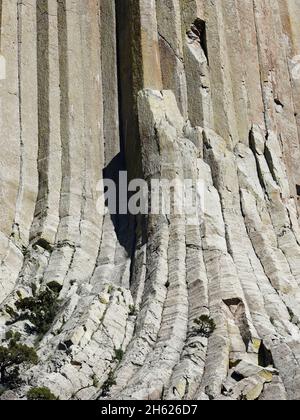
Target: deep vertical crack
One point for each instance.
(42, 19)
(16, 226)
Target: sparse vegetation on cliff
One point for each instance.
(40, 309)
(204, 327)
(11, 358)
(41, 394)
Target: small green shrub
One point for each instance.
(41, 394)
(132, 310)
(291, 314)
(108, 384)
(11, 312)
(119, 354)
(11, 358)
(9, 335)
(40, 309)
(111, 289)
(14, 336)
(95, 381)
(205, 326)
(33, 289)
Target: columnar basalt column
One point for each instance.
(151, 306)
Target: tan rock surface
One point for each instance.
(194, 89)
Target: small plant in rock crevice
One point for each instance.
(40, 309)
(13, 336)
(108, 384)
(119, 354)
(132, 310)
(291, 314)
(10, 311)
(41, 394)
(111, 289)
(12, 357)
(95, 381)
(204, 327)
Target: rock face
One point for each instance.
(200, 89)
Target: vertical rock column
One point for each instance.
(10, 255)
(289, 13)
(152, 76)
(28, 114)
(109, 68)
(224, 122)
(49, 160)
(276, 88)
(139, 68)
(113, 262)
(196, 63)
(90, 226)
(19, 133)
(81, 136)
(171, 50)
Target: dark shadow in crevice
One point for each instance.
(265, 358)
(129, 68)
(124, 224)
(130, 82)
(237, 377)
(198, 28)
(43, 86)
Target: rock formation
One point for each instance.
(159, 88)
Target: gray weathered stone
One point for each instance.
(162, 89)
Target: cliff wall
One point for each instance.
(200, 89)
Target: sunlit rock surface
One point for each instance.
(199, 89)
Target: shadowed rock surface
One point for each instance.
(161, 88)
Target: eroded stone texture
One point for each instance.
(193, 89)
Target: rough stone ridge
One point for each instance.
(195, 89)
